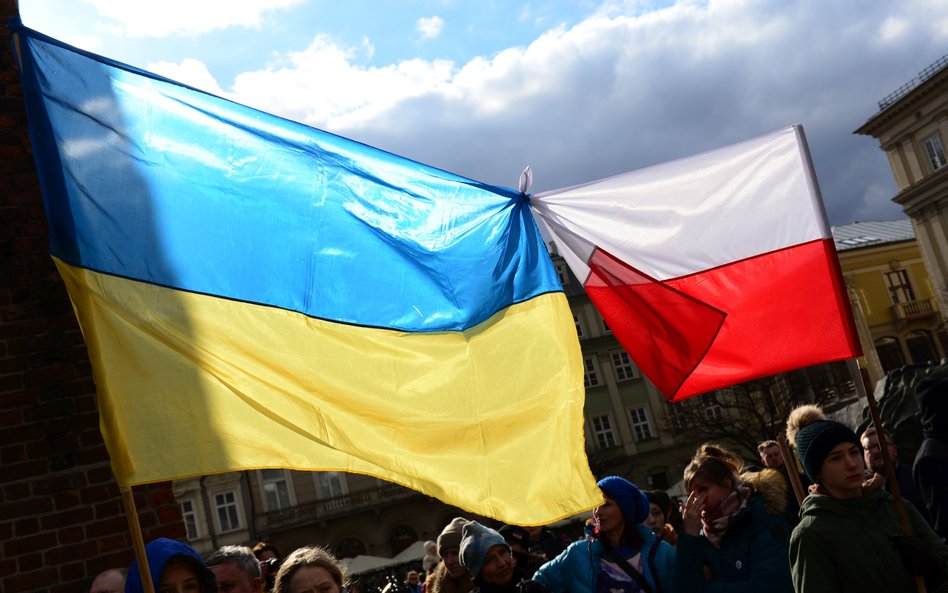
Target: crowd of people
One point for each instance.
(740, 529)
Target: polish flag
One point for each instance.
(711, 270)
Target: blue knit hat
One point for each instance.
(815, 441)
(631, 501)
(476, 541)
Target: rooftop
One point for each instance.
(907, 88)
(875, 232)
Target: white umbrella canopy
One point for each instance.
(416, 551)
(364, 563)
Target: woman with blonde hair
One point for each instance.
(310, 570)
(735, 535)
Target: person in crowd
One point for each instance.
(772, 458)
(931, 462)
(175, 567)
(849, 539)
(237, 570)
(412, 584)
(875, 464)
(735, 535)
(309, 569)
(624, 556)
(546, 542)
(660, 510)
(518, 538)
(111, 580)
(489, 560)
(450, 576)
(269, 558)
(431, 559)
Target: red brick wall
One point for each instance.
(61, 517)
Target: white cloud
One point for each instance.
(140, 18)
(86, 42)
(429, 27)
(322, 86)
(190, 72)
(623, 90)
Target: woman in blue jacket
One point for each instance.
(623, 556)
(174, 567)
(735, 536)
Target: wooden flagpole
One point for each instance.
(131, 513)
(886, 458)
(790, 463)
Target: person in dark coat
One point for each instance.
(931, 463)
(850, 539)
(735, 536)
(877, 475)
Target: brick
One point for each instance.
(62, 554)
(113, 544)
(20, 471)
(7, 567)
(22, 508)
(106, 527)
(16, 491)
(110, 508)
(28, 562)
(71, 535)
(54, 521)
(31, 581)
(73, 571)
(168, 514)
(25, 545)
(12, 454)
(27, 526)
(110, 560)
(54, 484)
(69, 499)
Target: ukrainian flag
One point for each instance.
(255, 293)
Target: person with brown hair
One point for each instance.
(449, 576)
(849, 538)
(311, 569)
(735, 535)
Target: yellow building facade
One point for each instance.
(893, 298)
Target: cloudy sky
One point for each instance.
(579, 89)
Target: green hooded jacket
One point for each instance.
(842, 544)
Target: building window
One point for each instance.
(189, 516)
(640, 424)
(275, 484)
(562, 274)
(935, 151)
(605, 327)
(350, 547)
(333, 489)
(921, 347)
(228, 515)
(900, 291)
(658, 480)
(625, 369)
(678, 415)
(605, 434)
(890, 354)
(402, 537)
(714, 411)
(590, 376)
(579, 326)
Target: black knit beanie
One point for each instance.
(816, 440)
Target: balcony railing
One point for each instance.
(329, 508)
(914, 309)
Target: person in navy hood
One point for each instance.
(175, 568)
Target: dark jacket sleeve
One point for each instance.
(556, 574)
(931, 475)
